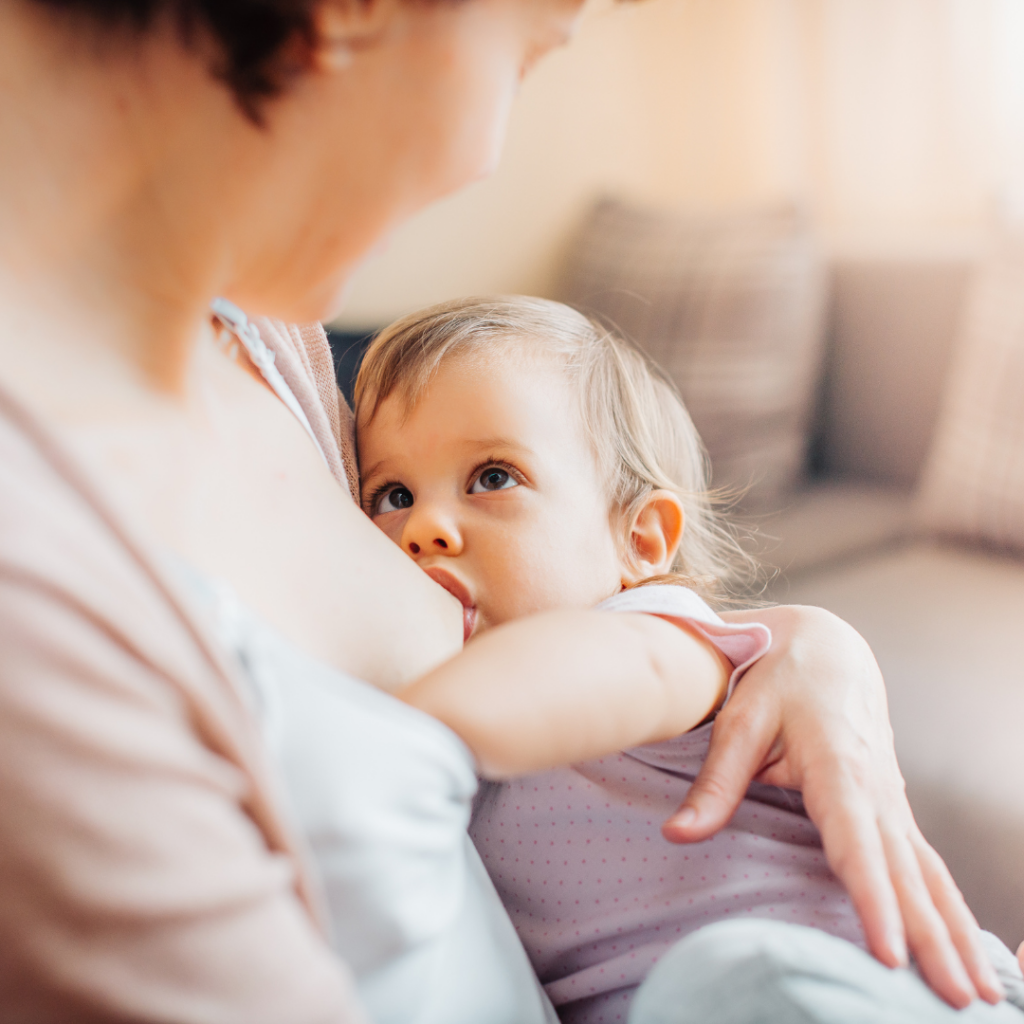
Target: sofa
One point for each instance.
(944, 617)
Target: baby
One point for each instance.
(529, 461)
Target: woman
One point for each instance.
(158, 153)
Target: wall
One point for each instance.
(898, 123)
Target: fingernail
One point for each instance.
(970, 992)
(898, 948)
(993, 982)
(684, 818)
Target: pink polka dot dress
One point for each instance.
(596, 894)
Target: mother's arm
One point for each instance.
(812, 715)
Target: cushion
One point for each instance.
(893, 323)
(973, 481)
(827, 523)
(732, 308)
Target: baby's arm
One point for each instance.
(568, 686)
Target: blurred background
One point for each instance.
(809, 211)
(899, 124)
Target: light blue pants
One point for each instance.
(766, 972)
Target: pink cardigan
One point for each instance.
(148, 870)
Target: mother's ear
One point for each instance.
(654, 536)
(344, 27)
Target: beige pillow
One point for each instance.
(973, 481)
(732, 308)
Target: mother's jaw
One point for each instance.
(129, 166)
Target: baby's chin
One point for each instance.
(483, 621)
(470, 623)
(488, 618)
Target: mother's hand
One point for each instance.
(812, 716)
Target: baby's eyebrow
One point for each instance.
(490, 445)
(367, 474)
(505, 444)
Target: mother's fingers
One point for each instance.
(897, 883)
(850, 837)
(820, 725)
(927, 935)
(740, 742)
(962, 926)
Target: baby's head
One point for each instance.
(528, 459)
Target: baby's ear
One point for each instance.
(654, 536)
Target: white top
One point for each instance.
(382, 793)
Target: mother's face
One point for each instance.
(407, 101)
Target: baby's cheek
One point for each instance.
(516, 585)
(546, 582)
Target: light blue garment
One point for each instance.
(382, 793)
(768, 972)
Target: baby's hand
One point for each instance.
(1020, 955)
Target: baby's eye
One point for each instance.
(493, 479)
(393, 500)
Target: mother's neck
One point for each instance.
(119, 197)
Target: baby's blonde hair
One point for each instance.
(641, 434)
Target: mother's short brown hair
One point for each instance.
(258, 44)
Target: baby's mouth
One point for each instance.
(457, 589)
(468, 623)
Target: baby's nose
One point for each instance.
(440, 542)
(431, 530)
